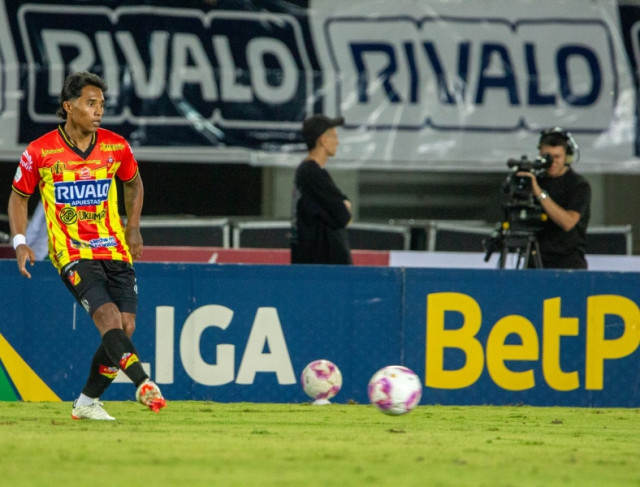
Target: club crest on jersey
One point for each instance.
(73, 277)
(112, 166)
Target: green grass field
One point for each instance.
(203, 443)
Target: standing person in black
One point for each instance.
(565, 197)
(320, 212)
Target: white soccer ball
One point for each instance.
(321, 380)
(395, 390)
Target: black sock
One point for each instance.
(101, 374)
(122, 352)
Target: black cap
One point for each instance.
(316, 125)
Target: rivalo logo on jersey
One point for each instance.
(82, 193)
(18, 381)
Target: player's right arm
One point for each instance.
(18, 217)
(24, 183)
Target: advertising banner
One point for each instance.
(432, 85)
(521, 337)
(232, 333)
(215, 332)
(444, 82)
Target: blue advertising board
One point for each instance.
(217, 332)
(542, 337)
(232, 333)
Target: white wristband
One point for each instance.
(19, 239)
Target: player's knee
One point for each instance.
(128, 323)
(107, 317)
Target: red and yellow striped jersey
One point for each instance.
(79, 193)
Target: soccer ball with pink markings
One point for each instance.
(321, 380)
(395, 390)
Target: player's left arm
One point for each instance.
(133, 192)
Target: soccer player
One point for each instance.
(74, 167)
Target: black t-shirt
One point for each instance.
(319, 218)
(560, 249)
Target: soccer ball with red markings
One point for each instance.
(395, 390)
(321, 380)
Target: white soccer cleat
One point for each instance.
(148, 393)
(93, 411)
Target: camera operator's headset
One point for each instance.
(570, 145)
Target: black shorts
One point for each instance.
(96, 282)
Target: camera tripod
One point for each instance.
(517, 233)
(525, 244)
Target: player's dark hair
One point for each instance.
(72, 89)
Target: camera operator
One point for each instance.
(565, 197)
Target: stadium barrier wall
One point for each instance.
(244, 333)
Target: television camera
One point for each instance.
(521, 208)
(524, 217)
